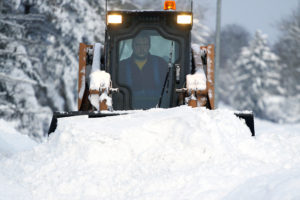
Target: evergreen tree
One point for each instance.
(233, 38)
(288, 49)
(20, 80)
(256, 76)
(38, 57)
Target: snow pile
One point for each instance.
(280, 185)
(11, 141)
(100, 81)
(196, 81)
(178, 153)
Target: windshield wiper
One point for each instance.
(166, 82)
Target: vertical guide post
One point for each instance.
(106, 13)
(217, 58)
(81, 73)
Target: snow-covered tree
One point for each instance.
(288, 49)
(256, 76)
(233, 38)
(20, 80)
(38, 56)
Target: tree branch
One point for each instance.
(29, 17)
(13, 79)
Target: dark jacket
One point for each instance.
(145, 84)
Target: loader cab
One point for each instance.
(147, 50)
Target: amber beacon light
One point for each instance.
(169, 5)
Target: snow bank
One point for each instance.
(12, 141)
(178, 153)
(279, 185)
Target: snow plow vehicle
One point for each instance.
(147, 61)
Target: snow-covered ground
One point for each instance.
(11, 141)
(178, 153)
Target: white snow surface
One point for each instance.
(11, 141)
(99, 79)
(178, 153)
(196, 81)
(196, 48)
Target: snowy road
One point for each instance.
(178, 153)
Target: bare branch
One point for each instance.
(14, 109)
(4, 77)
(6, 52)
(22, 40)
(11, 23)
(28, 17)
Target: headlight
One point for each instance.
(184, 19)
(114, 19)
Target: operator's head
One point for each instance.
(141, 46)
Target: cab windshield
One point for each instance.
(143, 66)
